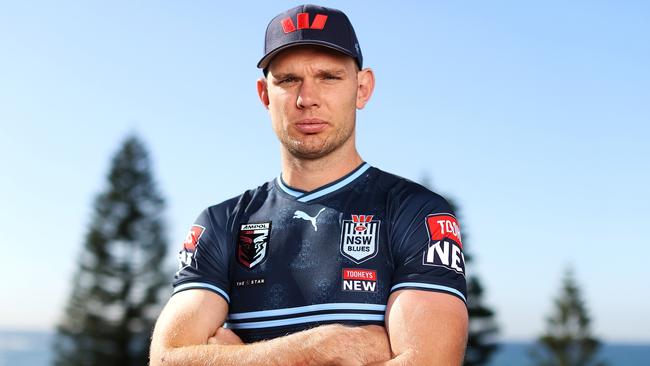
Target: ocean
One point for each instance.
(615, 354)
(20, 348)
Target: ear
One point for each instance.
(365, 86)
(263, 92)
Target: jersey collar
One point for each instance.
(303, 196)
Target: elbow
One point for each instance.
(157, 357)
(161, 355)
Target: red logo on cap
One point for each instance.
(303, 22)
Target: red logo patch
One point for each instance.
(444, 226)
(359, 280)
(359, 274)
(303, 22)
(186, 255)
(360, 219)
(192, 239)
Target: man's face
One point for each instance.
(312, 99)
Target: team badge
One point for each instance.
(445, 247)
(359, 238)
(253, 244)
(186, 255)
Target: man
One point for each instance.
(334, 262)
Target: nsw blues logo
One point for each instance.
(359, 238)
(253, 244)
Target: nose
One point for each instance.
(307, 95)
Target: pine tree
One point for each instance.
(568, 340)
(481, 342)
(118, 286)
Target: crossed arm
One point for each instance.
(422, 328)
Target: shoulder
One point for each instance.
(238, 204)
(404, 194)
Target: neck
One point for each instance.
(309, 174)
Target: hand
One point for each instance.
(377, 341)
(225, 337)
(364, 345)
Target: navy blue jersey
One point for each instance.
(286, 260)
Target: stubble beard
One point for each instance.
(312, 147)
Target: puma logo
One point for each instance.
(302, 215)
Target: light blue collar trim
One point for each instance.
(312, 196)
(287, 189)
(306, 197)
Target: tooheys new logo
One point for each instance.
(445, 247)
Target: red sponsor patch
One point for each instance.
(192, 239)
(444, 226)
(287, 25)
(303, 20)
(319, 21)
(359, 274)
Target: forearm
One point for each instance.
(412, 358)
(295, 349)
(325, 345)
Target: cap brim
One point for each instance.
(264, 62)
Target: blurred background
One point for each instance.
(532, 117)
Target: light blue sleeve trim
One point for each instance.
(429, 286)
(339, 185)
(307, 309)
(305, 319)
(202, 285)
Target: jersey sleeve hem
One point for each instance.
(429, 287)
(203, 286)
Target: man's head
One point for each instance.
(310, 25)
(313, 83)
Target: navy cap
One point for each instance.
(310, 25)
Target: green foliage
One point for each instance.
(481, 342)
(568, 340)
(117, 290)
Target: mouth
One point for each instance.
(311, 125)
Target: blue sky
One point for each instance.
(532, 116)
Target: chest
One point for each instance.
(294, 255)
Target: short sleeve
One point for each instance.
(203, 259)
(428, 250)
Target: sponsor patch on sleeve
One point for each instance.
(445, 247)
(186, 255)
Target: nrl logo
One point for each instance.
(359, 238)
(187, 254)
(252, 244)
